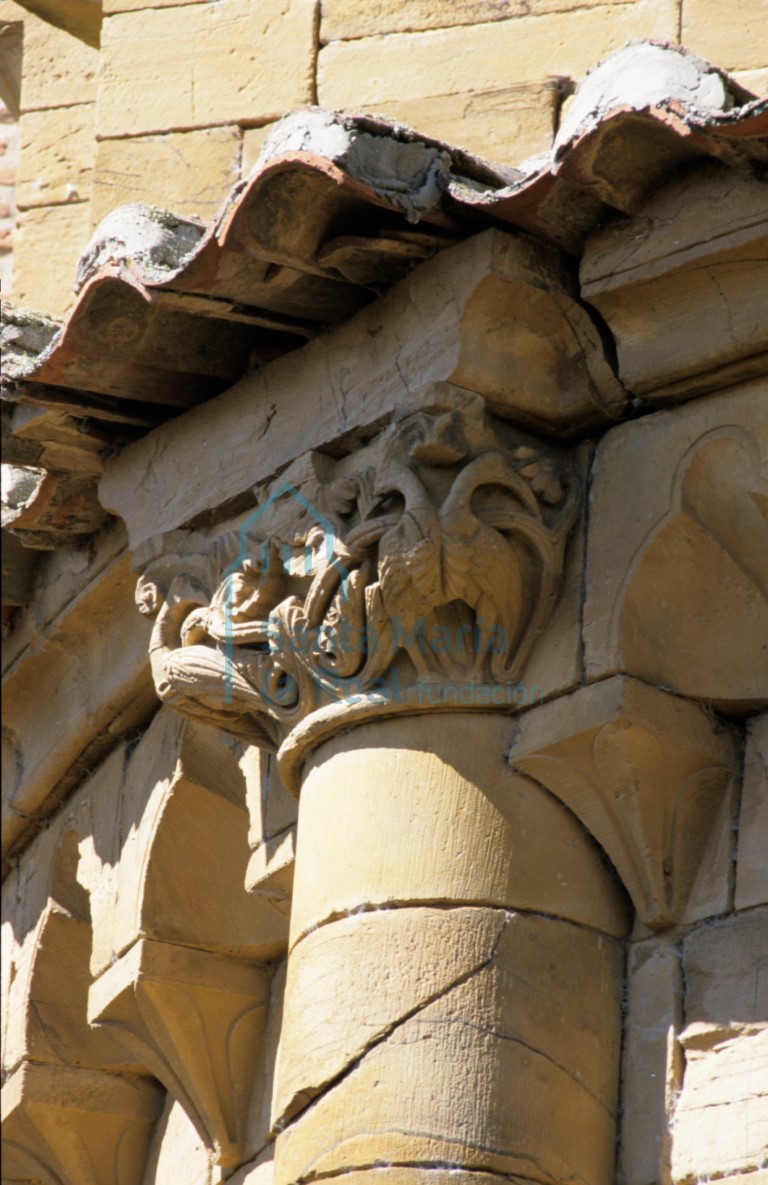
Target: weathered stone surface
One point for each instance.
(64, 576)
(260, 1129)
(187, 172)
(502, 123)
(406, 1098)
(65, 1124)
(219, 65)
(752, 864)
(677, 586)
(731, 34)
(722, 1114)
(177, 1151)
(531, 48)
(86, 694)
(252, 144)
(48, 1000)
(440, 324)
(651, 777)
(18, 571)
(43, 234)
(59, 69)
(271, 868)
(271, 808)
(47, 937)
(755, 81)
(112, 6)
(346, 19)
(725, 971)
(405, 959)
(80, 18)
(650, 1061)
(261, 1170)
(474, 832)
(681, 285)
(57, 151)
(176, 811)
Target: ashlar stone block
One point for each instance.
(731, 34)
(344, 20)
(529, 49)
(651, 1063)
(187, 172)
(59, 70)
(44, 233)
(57, 152)
(218, 65)
(726, 971)
(722, 1116)
(499, 123)
(677, 571)
(682, 284)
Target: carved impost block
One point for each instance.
(196, 1020)
(646, 772)
(416, 573)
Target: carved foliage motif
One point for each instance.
(431, 556)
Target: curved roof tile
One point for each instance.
(170, 312)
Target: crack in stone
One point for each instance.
(444, 903)
(469, 1024)
(289, 1114)
(437, 1166)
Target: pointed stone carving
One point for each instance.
(197, 1021)
(179, 988)
(63, 1124)
(432, 557)
(646, 772)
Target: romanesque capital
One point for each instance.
(416, 572)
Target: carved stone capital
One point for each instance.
(415, 573)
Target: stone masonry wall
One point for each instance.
(174, 107)
(173, 110)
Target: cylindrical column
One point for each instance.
(454, 978)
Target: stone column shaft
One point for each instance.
(454, 978)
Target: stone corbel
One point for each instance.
(63, 1124)
(647, 773)
(180, 959)
(196, 1020)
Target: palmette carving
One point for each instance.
(433, 556)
